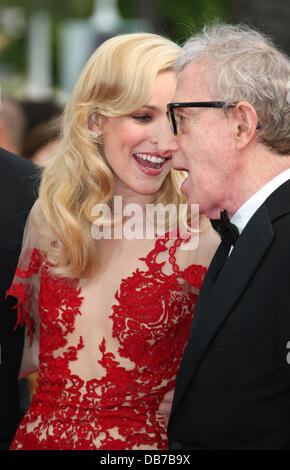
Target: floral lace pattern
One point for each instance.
(151, 323)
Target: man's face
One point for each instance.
(204, 137)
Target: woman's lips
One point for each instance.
(145, 167)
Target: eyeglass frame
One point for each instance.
(195, 104)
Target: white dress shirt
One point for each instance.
(248, 209)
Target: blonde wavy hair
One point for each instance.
(117, 80)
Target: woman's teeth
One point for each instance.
(150, 158)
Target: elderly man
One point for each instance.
(231, 119)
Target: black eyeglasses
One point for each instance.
(198, 104)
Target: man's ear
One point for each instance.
(245, 124)
(96, 122)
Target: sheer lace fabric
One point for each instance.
(102, 377)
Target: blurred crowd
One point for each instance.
(30, 128)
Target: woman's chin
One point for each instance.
(147, 189)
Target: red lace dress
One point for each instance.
(114, 404)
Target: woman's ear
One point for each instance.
(96, 122)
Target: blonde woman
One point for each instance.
(108, 317)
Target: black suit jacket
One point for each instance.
(19, 180)
(233, 387)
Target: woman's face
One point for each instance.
(139, 146)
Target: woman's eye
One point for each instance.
(142, 117)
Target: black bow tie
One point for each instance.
(229, 232)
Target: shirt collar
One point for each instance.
(247, 210)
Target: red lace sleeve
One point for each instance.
(24, 287)
(26, 280)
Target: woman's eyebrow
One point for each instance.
(150, 107)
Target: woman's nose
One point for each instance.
(166, 141)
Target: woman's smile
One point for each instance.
(150, 163)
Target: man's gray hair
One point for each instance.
(244, 65)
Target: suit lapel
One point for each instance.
(214, 305)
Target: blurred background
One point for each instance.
(45, 43)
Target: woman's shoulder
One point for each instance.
(37, 229)
(209, 241)
(199, 245)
